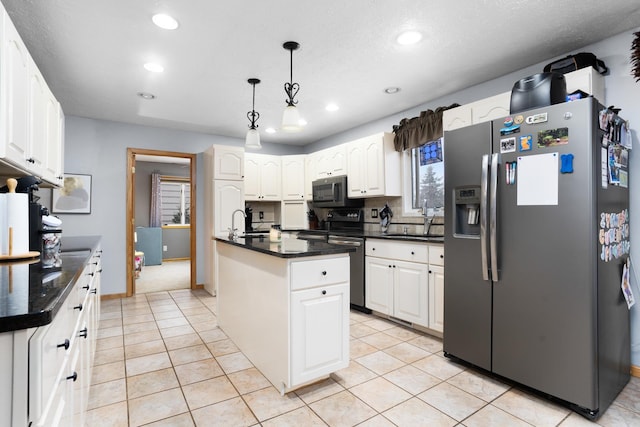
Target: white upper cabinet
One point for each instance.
(228, 162)
(31, 120)
(373, 167)
(14, 102)
(310, 174)
(331, 161)
(263, 177)
(293, 177)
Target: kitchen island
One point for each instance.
(286, 306)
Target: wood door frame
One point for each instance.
(130, 220)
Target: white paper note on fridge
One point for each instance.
(537, 180)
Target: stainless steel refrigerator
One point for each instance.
(536, 235)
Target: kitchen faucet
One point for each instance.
(232, 231)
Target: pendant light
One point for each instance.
(252, 140)
(291, 116)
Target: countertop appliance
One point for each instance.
(537, 229)
(331, 192)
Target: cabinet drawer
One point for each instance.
(403, 251)
(46, 358)
(319, 272)
(436, 254)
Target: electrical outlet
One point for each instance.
(164, 248)
(374, 213)
(261, 215)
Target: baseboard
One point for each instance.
(635, 371)
(112, 296)
(199, 287)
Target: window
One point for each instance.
(427, 179)
(176, 199)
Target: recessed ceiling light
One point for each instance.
(409, 37)
(154, 68)
(270, 130)
(332, 107)
(392, 90)
(146, 95)
(164, 21)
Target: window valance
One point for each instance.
(417, 131)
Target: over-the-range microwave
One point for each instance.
(331, 192)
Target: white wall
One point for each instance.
(99, 148)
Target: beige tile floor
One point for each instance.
(161, 360)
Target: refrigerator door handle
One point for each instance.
(484, 187)
(493, 214)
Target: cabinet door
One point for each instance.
(228, 163)
(271, 178)
(491, 108)
(310, 174)
(356, 164)
(436, 298)
(54, 141)
(374, 173)
(15, 94)
(411, 292)
(294, 215)
(293, 177)
(251, 177)
(338, 160)
(379, 284)
(37, 145)
(319, 332)
(455, 118)
(228, 196)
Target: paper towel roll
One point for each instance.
(17, 221)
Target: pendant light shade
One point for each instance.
(252, 140)
(291, 115)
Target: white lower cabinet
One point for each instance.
(436, 297)
(402, 284)
(61, 354)
(319, 331)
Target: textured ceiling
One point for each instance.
(91, 53)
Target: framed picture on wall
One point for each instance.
(74, 196)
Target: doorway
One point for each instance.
(133, 155)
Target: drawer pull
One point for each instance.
(73, 377)
(83, 333)
(413, 253)
(441, 255)
(95, 263)
(324, 292)
(430, 271)
(78, 307)
(65, 344)
(324, 273)
(90, 274)
(94, 291)
(86, 287)
(99, 271)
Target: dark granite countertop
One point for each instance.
(287, 248)
(31, 296)
(376, 235)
